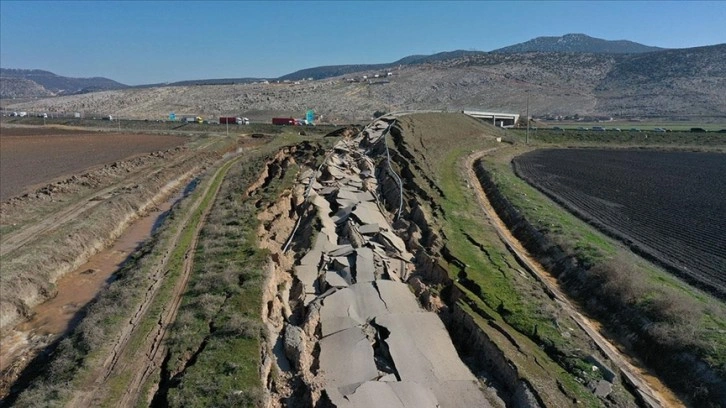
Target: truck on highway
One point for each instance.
(283, 121)
(233, 120)
(192, 119)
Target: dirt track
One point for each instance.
(145, 361)
(651, 390)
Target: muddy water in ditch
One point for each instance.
(58, 315)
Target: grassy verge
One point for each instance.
(711, 141)
(214, 344)
(500, 290)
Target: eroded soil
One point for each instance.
(61, 313)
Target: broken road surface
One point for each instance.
(377, 345)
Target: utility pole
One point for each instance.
(527, 140)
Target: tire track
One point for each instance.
(149, 360)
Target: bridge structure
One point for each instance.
(499, 119)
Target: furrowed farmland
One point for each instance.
(666, 205)
(34, 157)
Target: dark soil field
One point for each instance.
(30, 157)
(668, 206)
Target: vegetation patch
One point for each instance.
(214, 344)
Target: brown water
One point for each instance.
(56, 316)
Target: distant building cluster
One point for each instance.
(368, 77)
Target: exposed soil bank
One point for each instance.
(31, 269)
(428, 243)
(60, 314)
(702, 386)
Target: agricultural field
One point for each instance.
(663, 204)
(32, 157)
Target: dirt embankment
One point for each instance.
(78, 217)
(437, 291)
(703, 386)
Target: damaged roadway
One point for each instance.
(377, 346)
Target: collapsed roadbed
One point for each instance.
(350, 320)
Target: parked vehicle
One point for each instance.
(598, 128)
(283, 121)
(697, 130)
(23, 114)
(233, 120)
(193, 119)
(108, 117)
(659, 130)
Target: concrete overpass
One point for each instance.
(495, 118)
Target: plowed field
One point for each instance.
(31, 157)
(669, 206)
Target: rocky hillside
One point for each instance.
(25, 83)
(12, 88)
(578, 43)
(338, 70)
(682, 82)
(663, 84)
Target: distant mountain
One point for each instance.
(44, 83)
(218, 81)
(12, 88)
(578, 43)
(338, 70)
